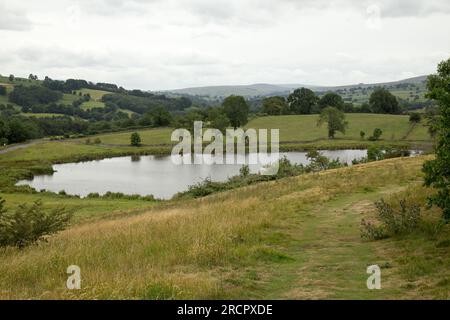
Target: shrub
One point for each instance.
(393, 221)
(415, 117)
(29, 224)
(376, 134)
(244, 171)
(135, 139)
(362, 134)
(374, 153)
(97, 141)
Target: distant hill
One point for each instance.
(263, 89)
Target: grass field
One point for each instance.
(293, 238)
(303, 131)
(96, 95)
(304, 128)
(92, 104)
(68, 99)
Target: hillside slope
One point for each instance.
(294, 238)
(264, 89)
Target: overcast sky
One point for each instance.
(168, 44)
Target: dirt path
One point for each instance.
(20, 146)
(330, 259)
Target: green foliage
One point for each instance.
(437, 172)
(236, 109)
(218, 119)
(362, 134)
(302, 101)
(335, 120)
(18, 129)
(187, 121)
(135, 139)
(415, 117)
(275, 106)
(383, 101)
(393, 221)
(377, 132)
(245, 178)
(319, 162)
(29, 224)
(160, 117)
(331, 99)
(33, 95)
(432, 120)
(2, 90)
(244, 171)
(375, 153)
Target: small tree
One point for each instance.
(374, 153)
(335, 120)
(376, 134)
(362, 134)
(415, 117)
(244, 171)
(30, 224)
(135, 139)
(11, 78)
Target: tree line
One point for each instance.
(306, 101)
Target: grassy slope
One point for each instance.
(294, 238)
(303, 129)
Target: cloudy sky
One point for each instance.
(167, 44)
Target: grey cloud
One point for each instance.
(13, 20)
(56, 57)
(389, 8)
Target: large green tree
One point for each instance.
(437, 171)
(335, 120)
(382, 101)
(331, 99)
(302, 101)
(236, 109)
(275, 105)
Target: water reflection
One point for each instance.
(155, 175)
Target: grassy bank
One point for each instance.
(293, 238)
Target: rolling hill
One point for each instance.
(263, 89)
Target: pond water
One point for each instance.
(150, 175)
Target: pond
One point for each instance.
(150, 175)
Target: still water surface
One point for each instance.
(150, 175)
